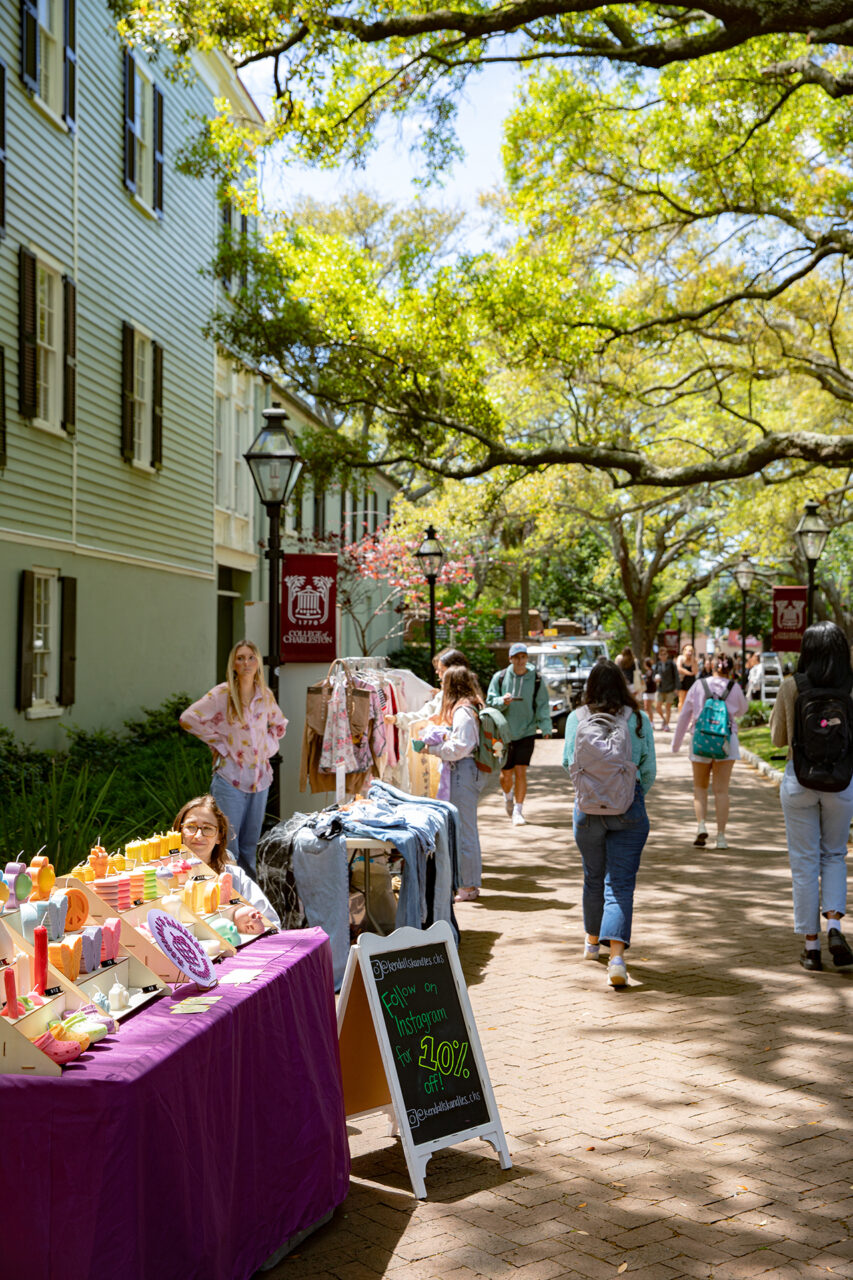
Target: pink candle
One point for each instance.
(40, 962)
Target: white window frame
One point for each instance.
(51, 38)
(233, 436)
(143, 397)
(46, 643)
(143, 142)
(49, 344)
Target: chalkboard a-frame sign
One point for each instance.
(409, 1045)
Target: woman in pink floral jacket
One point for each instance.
(242, 724)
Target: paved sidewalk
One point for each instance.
(697, 1123)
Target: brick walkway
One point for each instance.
(695, 1124)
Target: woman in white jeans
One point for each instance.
(817, 823)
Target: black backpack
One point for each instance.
(823, 737)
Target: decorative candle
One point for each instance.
(43, 876)
(226, 887)
(40, 959)
(14, 1008)
(19, 882)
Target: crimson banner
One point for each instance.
(308, 608)
(789, 617)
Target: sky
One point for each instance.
(390, 171)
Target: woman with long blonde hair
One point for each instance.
(242, 724)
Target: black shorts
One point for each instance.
(520, 751)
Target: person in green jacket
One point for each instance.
(522, 696)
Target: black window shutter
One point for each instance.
(30, 44)
(227, 215)
(68, 642)
(2, 149)
(244, 250)
(69, 109)
(28, 344)
(26, 608)
(129, 122)
(157, 407)
(2, 406)
(157, 187)
(127, 372)
(69, 368)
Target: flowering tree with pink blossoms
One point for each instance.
(379, 577)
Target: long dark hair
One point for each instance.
(825, 657)
(607, 690)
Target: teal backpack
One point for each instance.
(495, 738)
(713, 728)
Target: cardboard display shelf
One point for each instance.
(245, 938)
(137, 944)
(127, 969)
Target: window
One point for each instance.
(143, 136)
(49, 55)
(237, 244)
(47, 623)
(48, 339)
(142, 399)
(319, 512)
(2, 406)
(233, 435)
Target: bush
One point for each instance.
(112, 785)
(757, 713)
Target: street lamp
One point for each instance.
(744, 574)
(275, 465)
(810, 536)
(431, 556)
(679, 610)
(693, 608)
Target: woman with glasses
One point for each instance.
(242, 724)
(204, 832)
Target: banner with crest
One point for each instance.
(308, 608)
(789, 618)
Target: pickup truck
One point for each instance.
(564, 665)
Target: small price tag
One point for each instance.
(235, 902)
(52, 991)
(151, 987)
(107, 964)
(137, 902)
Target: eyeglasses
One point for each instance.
(200, 828)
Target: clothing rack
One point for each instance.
(377, 663)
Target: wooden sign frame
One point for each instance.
(368, 1067)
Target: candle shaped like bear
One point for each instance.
(40, 959)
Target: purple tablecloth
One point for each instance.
(189, 1145)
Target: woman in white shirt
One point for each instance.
(441, 661)
(720, 685)
(458, 715)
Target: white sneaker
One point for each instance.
(509, 801)
(591, 950)
(518, 818)
(722, 842)
(617, 974)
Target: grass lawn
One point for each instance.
(758, 742)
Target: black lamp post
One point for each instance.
(431, 556)
(811, 535)
(679, 610)
(275, 466)
(693, 607)
(744, 575)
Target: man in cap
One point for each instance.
(520, 693)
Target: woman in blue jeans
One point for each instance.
(611, 846)
(817, 823)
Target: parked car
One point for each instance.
(564, 665)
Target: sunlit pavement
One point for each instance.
(695, 1123)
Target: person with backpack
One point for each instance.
(666, 674)
(521, 694)
(609, 754)
(813, 717)
(711, 708)
(454, 736)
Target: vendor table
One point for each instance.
(188, 1145)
